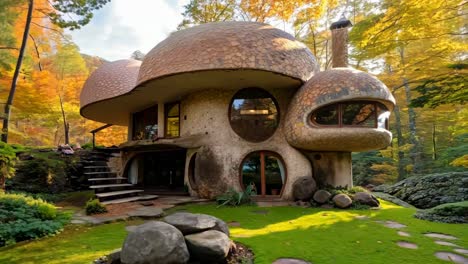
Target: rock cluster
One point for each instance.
(342, 200)
(430, 190)
(304, 188)
(179, 238)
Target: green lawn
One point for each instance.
(317, 235)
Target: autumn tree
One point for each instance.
(56, 11)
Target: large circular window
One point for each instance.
(254, 114)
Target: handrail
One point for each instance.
(94, 131)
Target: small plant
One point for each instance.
(235, 198)
(357, 189)
(94, 206)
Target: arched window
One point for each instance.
(357, 114)
(254, 114)
(265, 171)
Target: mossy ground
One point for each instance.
(317, 235)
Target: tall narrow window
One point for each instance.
(145, 123)
(172, 116)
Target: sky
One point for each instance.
(124, 26)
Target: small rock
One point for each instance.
(342, 200)
(322, 196)
(211, 245)
(452, 257)
(155, 242)
(366, 198)
(409, 245)
(290, 261)
(304, 188)
(189, 223)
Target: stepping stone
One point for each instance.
(403, 234)
(78, 222)
(452, 257)
(361, 217)
(461, 251)
(393, 224)
(445, 243)
(233, 223)
(290, 261)
(149, 212)
(131, 228)
(441, 236)
(405, 244)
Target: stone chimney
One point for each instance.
(339, 31)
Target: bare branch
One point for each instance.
(37, 52)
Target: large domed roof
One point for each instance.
(229, 45)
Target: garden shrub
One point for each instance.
(235, 198)
(94, 206)
(43, 173)
(7, 162)
(447, 213)
(23, 218)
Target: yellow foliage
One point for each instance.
(461, 161)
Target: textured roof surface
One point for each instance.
(336, 85)
(110, 80)
(229, 45)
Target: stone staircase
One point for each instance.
(109, 188)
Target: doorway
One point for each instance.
(264, 170)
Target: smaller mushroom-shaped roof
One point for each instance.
(333, 86)
(108, 81)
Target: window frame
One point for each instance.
(144, 112)
(263, 153)
(340, 108)
(167, 107)
(275, 102)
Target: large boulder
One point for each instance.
(189, 223)
(322, 196)
(342, 201)
(304, 188)
(154, 242)
(366, 198)
(208, 246)
(430, 190)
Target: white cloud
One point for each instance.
(124, 26)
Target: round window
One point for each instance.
(254, 114)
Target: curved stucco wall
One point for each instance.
(328, 87)
(229, 45)
(217, 165)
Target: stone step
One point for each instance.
(110, 185)
(96, 167)
(131, 199)
(116, 193)
(107, 179)
(100, 172)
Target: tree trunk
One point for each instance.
(434, 149)
(400, 142)
(11, 95)
(66, 125)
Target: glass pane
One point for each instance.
(251, 172)
(254, 114)
(359, 114)
(145, 123)
(327, 115)
(173, 110)
(383, 116)
(172, 127)
(274, 175)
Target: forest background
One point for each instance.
(417, 48)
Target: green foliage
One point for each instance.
(448, 213)
(80, 10)
(370, 168)
(205, 11)
(23, 218)
(94, 206)
(44, 173)
(7, 160)
(235, 198)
